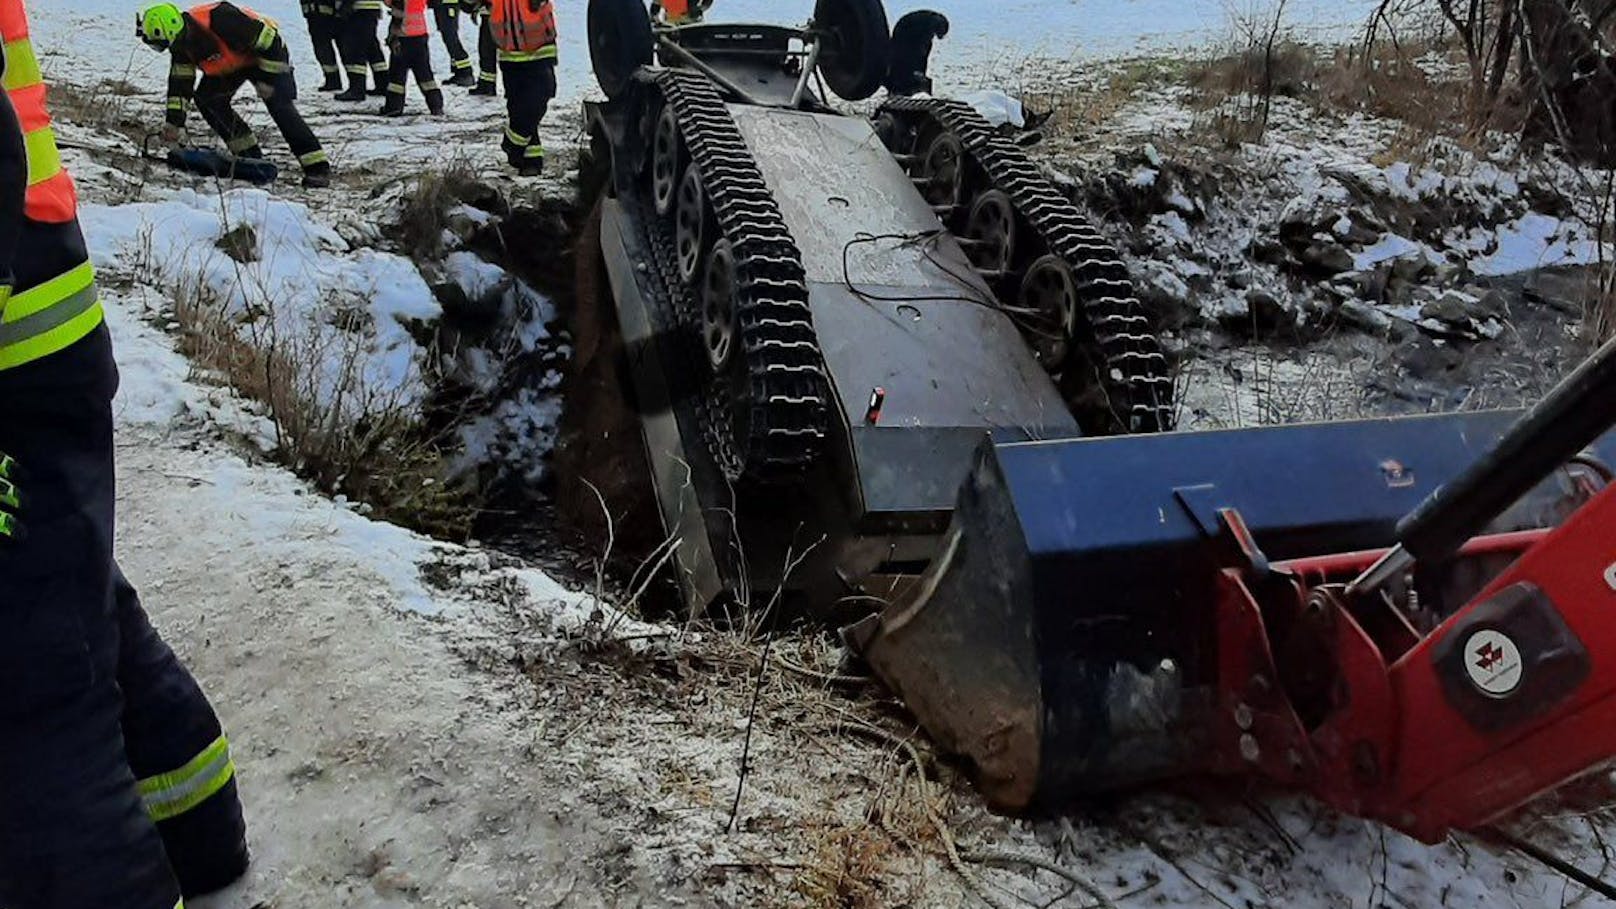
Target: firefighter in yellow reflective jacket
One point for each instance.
(525, 33)
(230, 46)
(117, 789)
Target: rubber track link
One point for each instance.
(1136, 369)
(788, 392)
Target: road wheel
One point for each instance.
(854, 55)
(619, 42)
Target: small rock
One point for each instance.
(1373, 285)
(1354, 232)
(1329, 258)
(1267, 310)
(1410, 268)
(1493, 304)
(240, 243)
(1268, 251)
(1447, 308)
(1366, 318)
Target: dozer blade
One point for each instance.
(1065, 642)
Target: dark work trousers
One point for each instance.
(530, 85)
(412, 55)
(323, 31)
(116, 787)
(362, 49)
(279, 91)
(447, 15)
(487, 56)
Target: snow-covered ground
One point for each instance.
(428, 724)
(98, 35)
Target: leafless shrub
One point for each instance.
(1239, 88)
(333, 426)
(424, 214)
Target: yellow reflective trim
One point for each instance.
(44, 159)
(43, 296)
(181, 70)
(22, 65)
(168, 795)
(54, 341)
(266, 38)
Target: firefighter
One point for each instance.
(525, 35)
(407, 38)
(362, 51)
(231, 46)
(117, 788)
(487, 50)
(321, 17)
(447, 15)
(912, 41)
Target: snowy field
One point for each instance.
(997, 35)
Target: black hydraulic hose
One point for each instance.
(13, 182)
(1578, 411)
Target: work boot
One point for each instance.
(532, 167)
(390, 109)
(317, 177)
(333, 83)
(463, 78)
(485, 89)
(355, 92)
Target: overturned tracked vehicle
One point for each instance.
(825, 314)
(866, 364)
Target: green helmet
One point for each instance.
(160, 25)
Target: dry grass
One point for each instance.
(113, 104)
(844, 869)
(1082, 107)
(334, 430)
(1291, 71)
(424, 214)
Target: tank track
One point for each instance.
(1135, 369)
(787, 393)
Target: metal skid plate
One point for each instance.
(898, 307)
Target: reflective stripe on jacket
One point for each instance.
(524, 29)
(54, 303)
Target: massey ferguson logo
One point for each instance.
(1493, 663)
(1610, 577)
(1489, 656)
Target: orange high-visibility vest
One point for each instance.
(51, 196)
(414, 18)
(47, 311)
(223, 61)
(524, 29)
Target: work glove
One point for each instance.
(10, 501)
